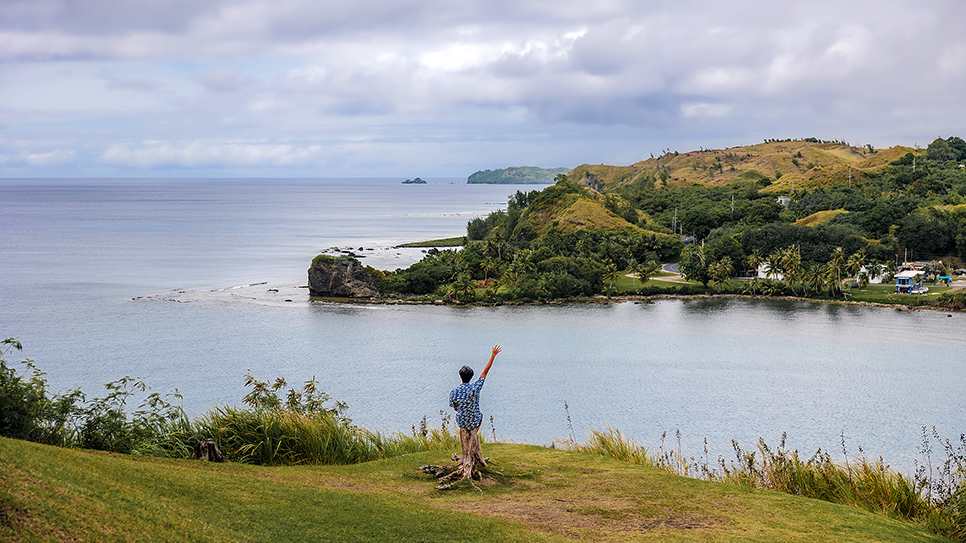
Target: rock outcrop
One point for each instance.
(341, 278)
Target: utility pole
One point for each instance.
(674, 222)
(850, 177)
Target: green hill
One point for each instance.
(521, 175)
(53, 494)
(819, 217)
(569, 207)
(799, 162)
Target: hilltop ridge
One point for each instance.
(806, 163)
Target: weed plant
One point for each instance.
(934, 497)
(276, 426)
(301, 430)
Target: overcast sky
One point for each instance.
(442, 88)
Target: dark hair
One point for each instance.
(466, 373)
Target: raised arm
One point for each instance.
(496, 351)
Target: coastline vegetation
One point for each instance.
(591, 235)
(305, 427)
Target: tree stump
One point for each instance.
(471, 456)
(207, 451)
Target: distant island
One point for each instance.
(416, 181)
(523, 175)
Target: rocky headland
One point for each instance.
(333, 277)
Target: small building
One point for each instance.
(784, 200)
(873, 280)
(906, 281)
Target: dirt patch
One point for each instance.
(12, 517)
(346, 484)
(593, 519)
(21, 521)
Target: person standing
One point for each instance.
(465, 399)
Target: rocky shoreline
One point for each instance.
(299, 295)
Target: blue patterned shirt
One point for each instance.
(466, 399)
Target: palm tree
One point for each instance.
(489, 265)
(464, 285)
(875, 269)
(611, 274)
(647, 270)
(721, 271)
(814, 277)
(835, 266)
(753, 286)
(790, 259)
(855, 263)
(754, 260)
(773, 266)
(632, 268)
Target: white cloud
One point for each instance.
(280, 76)
(204, 154)
(37, 160)
(706, 110)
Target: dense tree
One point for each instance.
(694, 264)
(924, 233)
(916, 205)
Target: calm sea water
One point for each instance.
(75, 253)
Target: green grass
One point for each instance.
(542, 494)
(630, 284)
(885, 294)
(445, 242)
(880, 294)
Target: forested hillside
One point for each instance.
(601, 222)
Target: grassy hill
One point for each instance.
(804, 163)
(52, 494)
(565, 210)
(819, 217)
(570, 212)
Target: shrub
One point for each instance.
(958, 510)
(27, 411)
(953, 299)
(104, 424)
(323, 259)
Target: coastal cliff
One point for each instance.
(332, 277)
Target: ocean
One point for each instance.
(169, 280)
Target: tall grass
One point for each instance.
(864, 483)
(288, 437)
(276, 426)
(934, 499)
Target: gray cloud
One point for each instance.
(276, 86)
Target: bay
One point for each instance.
(81, 259)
